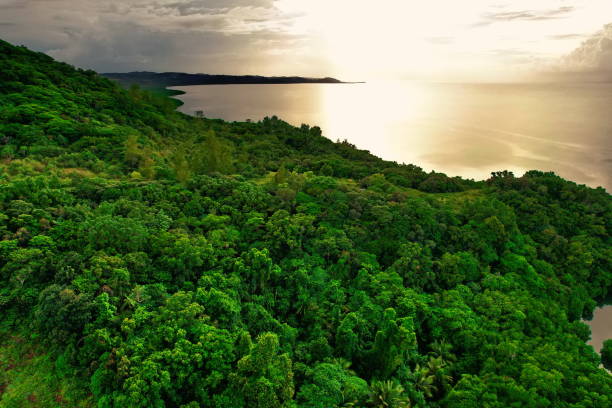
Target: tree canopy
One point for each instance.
(163, 260)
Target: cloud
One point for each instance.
(215, 6)
(523, 15)
(594, 54)
(566, 36)
(8, 5)
(294, 37)
(516, 57)
(215, 36)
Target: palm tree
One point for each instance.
(387, 394)
(436, 368)
(424, 381)
(432, 377)
(443, 349)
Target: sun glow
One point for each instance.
(441, 39)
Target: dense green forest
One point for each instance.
(152, 259)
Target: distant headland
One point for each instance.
(164, 79)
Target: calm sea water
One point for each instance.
(467, 130)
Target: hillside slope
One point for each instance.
(151, 259)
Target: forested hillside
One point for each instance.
(152, 259)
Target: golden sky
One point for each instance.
(349, 39)
(444, 38)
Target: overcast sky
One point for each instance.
(349, 39)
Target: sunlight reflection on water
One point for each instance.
(459, 129)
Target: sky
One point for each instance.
(348, 39)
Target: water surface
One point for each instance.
(467, 130)
(601, 326)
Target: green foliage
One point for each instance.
(264, 378)
(62, 314)
(606, 354)
(332, 384)
(145, 250)
(385, 394)
(30, 377)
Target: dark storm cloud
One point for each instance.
(523, 15)
(217, 36)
